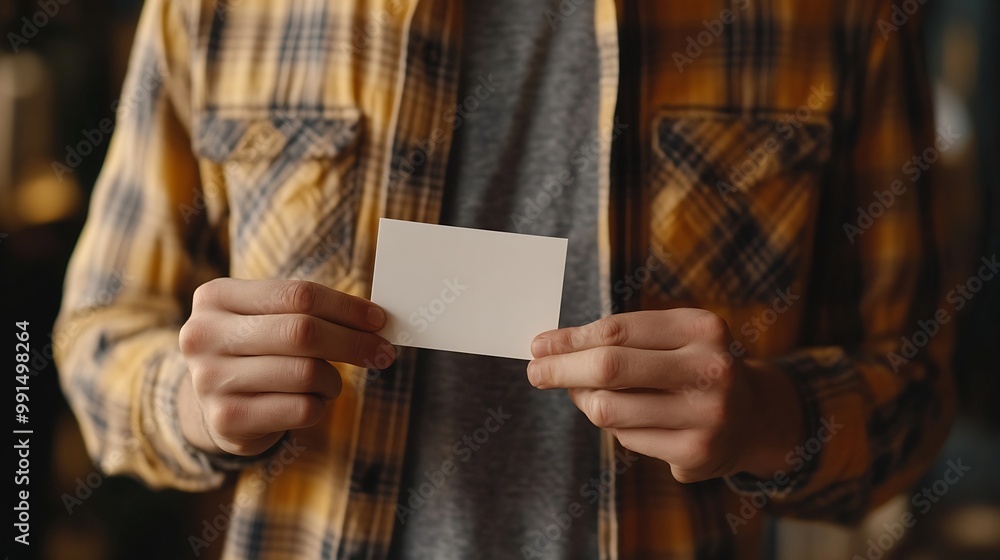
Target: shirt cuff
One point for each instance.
(826, 470)
(175, 461)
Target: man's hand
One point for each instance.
(258, 354)
(667, 385)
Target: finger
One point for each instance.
(664, 444)
(302, 335)
(616, 367)
(276, 297)
(282, 374)
(639, 409)
(653, 330)
(690, 458)
(265, 413)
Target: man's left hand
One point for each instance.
(667, 385)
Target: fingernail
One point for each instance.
(376, 317)
(541, 346)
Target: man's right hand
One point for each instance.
(258, 351)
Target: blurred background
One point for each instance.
(58, 82)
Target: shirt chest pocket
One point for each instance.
(292, 189)
(732, 202)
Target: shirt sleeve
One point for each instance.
(131, 278)
(877, 393)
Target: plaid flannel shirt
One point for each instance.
(264, 139)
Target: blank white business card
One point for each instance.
(467, 290)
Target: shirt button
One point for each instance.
(432, 53)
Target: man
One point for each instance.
(728, 175)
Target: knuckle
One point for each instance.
(203, 378)
(225, 416)
(192, 336)
(207, 294)
(350, 310)
(717, 411)
(299, 296)
(718, 373)
(304, 373)
(708, 373)
(611, 331)
(335, 384)
(601, 411)
(298, 330)
(186, 339)
(710, 326)
(308, 411)
(357, 346)
(539, 373)
(608, 366)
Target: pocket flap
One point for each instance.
(301, 135)
(737, 150)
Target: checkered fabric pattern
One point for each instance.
(261, 139)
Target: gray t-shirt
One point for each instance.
(494, 466)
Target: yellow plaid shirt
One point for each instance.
(262, 139)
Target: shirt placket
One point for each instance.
(417, 142)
